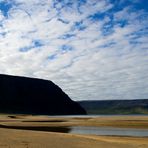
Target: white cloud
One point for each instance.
(107, 59)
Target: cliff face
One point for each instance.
(35, 96)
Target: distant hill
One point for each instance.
(24, 95)
(116, 106)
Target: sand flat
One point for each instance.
(108, 121)
(33, 139)
(11, 137)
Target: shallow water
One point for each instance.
(93, 116)
(106, 130)
(109, 131)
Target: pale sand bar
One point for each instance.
(18, 138)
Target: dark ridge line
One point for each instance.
(64, 129)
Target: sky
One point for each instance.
(92, 49)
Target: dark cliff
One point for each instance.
(35, 96)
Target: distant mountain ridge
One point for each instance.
(35, 96)
(139, 106)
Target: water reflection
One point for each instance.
(109, 131)
(84, 130)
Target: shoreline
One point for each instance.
(33, 139)
(13, 135)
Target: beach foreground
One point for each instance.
(20, 131)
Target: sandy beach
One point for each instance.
(21, 131)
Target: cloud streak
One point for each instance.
(92, 49)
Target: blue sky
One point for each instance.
(93, 49)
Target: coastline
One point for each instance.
(12, 137)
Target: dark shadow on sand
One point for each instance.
(46, 121)
(39, 128)
(12, 117)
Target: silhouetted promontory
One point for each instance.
(35, 96)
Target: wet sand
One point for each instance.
(19, 131)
